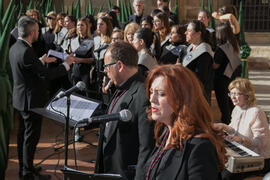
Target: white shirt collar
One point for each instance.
(25, 41)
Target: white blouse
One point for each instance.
(252, 123)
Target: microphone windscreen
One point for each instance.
(81, 85)
(125, 115)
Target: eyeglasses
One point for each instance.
(116, 38)
(235, 94)
(107, 65)
(48, 17)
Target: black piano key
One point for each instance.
(236, 149)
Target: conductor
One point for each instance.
(29, 91)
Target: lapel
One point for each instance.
(75, 44)
(174, 163)
(165, 40)
(192, 55)
(125, 99)
(24, 43)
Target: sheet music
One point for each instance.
(57, 54)
(80, 108)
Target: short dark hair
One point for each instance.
(146, 35)
(148, 19)
(208, 15)
(25, 26)
(125, 52)
(198, 26)
(116, 7)
(155, 11)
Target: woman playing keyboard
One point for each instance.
(249, 125)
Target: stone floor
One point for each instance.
(52, 160)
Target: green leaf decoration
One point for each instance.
(109, 4)
(101, 7)
(125, 11)
(129, 8)
(7, 13)
(35, 5)
(212, 22)
(29, 5)
(21, 9)
(6, 109)
(54, 8)
(4, 39)
(176, 9)
(78, 9)
(202, 5)
(1, 8)
(62, 8)
(72, 9)
(90, 8)
(122, 15)
(49, 6)
(42, 6)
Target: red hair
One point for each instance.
(191, 112)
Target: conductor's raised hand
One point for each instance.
(48, 59)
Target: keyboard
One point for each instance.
(241, 158)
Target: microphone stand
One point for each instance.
(66, 135)
(99, 75)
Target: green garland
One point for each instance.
(245, 51)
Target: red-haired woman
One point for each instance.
(188, 147)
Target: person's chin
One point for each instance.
(155, 117)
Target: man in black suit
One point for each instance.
(138, 6)
(29, 91)
(125, 146)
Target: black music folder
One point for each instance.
(73, 174)
(80, 108)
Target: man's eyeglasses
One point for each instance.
(107, 65)
(235, 94)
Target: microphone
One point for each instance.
(100, 49)
(124, 115)
(71, 36)
(79, 86)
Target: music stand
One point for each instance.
(81, 107)
(73, 174)
(74, 107)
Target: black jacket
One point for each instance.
(197, 161)
(128, 144)
(29, 75)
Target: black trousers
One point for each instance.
(27, 140)
(225, 105)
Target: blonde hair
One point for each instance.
(58, 17)
(119, 31)
(51, 13)
(245, 87)
(101, 14)
(88, 30)
(109, 29)
(131, 27)
(29, 12)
